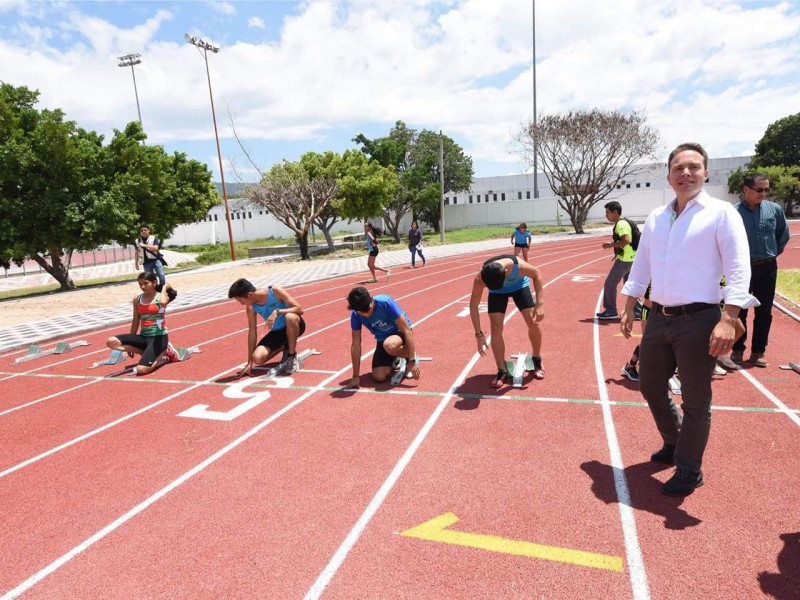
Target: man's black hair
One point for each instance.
(359, 299)
(240, 289)
(614, 207)
(751, 178)
(493, 275)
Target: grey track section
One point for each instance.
(21, 335)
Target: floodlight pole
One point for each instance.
(205, 47)
(441, 186)
(129, 60)
(535, 150)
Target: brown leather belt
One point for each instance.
(762, 261)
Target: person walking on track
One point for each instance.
(507, 277)
(372, 248)
(283, 315)
(152, 342)
(415, 244)
(622, 236)
(521, 238)
(393, 332)
(686, 247)
(767, 236)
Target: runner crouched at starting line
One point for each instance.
(284, 321)
(392, 330)
(152, 343)
(507, 277)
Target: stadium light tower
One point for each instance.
(205, 47)
(130, 60)
(533, 71)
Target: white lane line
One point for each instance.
(633, 551)
(772, 397)
(111, 527)
(330, 570)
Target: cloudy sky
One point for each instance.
(309, 76)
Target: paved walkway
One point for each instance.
(23, 334)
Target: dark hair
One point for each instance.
(149, 276)
(521, 226)
(493, 275)
(614, 206)
(751, 178)
(240, 289)
(359, 299)
(688, 146)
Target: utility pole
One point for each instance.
(129, 60)
(535, 149)
(441, 186)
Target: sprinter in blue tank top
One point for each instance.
(507, 277)
(284, 321)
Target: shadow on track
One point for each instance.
(785, 584)
(645, 492)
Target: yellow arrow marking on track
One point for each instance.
(436, 530)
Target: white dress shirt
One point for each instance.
(685, 256)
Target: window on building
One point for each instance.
(215, 217)
(470, 198)
(647, 184)
(638, 185)
(628, 185)
(528, 195)
(494, 197)
(519, 195)
(455, 200)
(503, 197)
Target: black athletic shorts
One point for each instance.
(152, 346)
(381, 358)
(276, 338)
(522, 298)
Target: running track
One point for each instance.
(191, 484)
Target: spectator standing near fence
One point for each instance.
(148, 255)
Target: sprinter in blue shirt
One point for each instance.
(521, 238)
(390, 325)
(507, 277)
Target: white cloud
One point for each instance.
(256, 23)
(225, 8)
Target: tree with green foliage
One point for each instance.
(296, 193)
(585, 154)
(784, 184)
(61, 190)
(363, 186)
(415, 157)
(780, 144)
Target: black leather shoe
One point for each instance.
(665, 455)
(682, 483)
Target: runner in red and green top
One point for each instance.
(152, 343)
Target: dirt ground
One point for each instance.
(55, 304)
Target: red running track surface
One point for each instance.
(442, 488)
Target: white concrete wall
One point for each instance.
(545, 211)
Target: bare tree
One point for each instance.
(586, 154)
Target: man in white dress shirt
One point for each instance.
(685, 249)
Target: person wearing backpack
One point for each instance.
(624, 253)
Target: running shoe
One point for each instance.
(388, 274)
(291, 365)
(608, 315)
(498, 380)
(172, 354)
(538, 369)
(631, 372)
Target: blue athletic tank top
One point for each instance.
(513, 281)
(272, 304)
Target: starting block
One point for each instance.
(400, 372)
(186, 353)
(517, 370)
(117, 356)
(301, 356)
(34, 351)
(792, 366)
